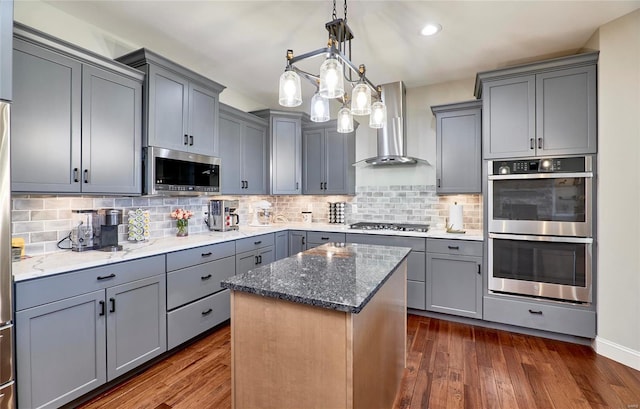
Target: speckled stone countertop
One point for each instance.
(65, 261)
(336, 276)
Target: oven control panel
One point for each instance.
(544, 165)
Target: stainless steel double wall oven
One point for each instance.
(540, 223)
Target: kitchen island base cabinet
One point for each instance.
(290, 355)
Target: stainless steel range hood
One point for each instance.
(392, 139)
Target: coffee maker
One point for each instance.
(81, 236)
(222, 216)
(105, 229)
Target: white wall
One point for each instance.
(619, 189)
(421, 136)
(44, 17)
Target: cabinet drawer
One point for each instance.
(553, 318)
(191, 283)
(255, 242)
(199, 255)
(458, 247)
(416, 295)
(324, 237)
(38, 291)
(416, 243)
(195, 318)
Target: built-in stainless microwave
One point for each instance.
(175, 173)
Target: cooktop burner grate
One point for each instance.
(390, 226)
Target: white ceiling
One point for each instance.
(242, 44)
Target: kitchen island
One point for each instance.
(325, 328)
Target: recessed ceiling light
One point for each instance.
(431, 29)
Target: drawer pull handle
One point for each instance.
(76, 175)
(106, 277)
(531, 144)
(479, 272)
(206, 254)
(101, 308)
(260, 259)
(186, 139)
(537, 312)
(454, 247)
(207, 312)
(204, 278)
(113, 305)
(539, 143)
(324, 238)
(257, 242)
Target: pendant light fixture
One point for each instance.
(336, 72)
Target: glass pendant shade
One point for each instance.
(361, 100)
(290, 94)
(331, 81)
(345, 120)
(319, 108)
(378, 116)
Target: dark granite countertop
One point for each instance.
(336, 276)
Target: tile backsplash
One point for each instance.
(43, 221)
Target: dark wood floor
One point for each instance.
(449, 365)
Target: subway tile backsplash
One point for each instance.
(42, 221)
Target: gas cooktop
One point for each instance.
(390, 226)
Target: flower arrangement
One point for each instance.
(182, 221)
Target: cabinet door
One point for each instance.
(286, 156)
(230, 155)
(297, 242)
(566, 111)
(203, 120)
(337, 161)
(266, 256)
(458, 154)
(60, 350)
(6, 47)
(45, 121)
(111, 128)
(314, 162)
(454, 285)
(282, 245)
(168, 109)
(508, 109)
(254, 159)
(246, 261)
(136, 324)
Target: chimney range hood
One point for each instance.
(392, 139)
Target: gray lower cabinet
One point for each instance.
(78, 330)
(541, 315)
(281, 245)
(285, 151)
(318, 238)
(181, 106)
(243, 151)
(6, 45)
(195, 300)
(327, 160)
(255, 251)
(454, 277)
(297, 241)
(416, 268)
(458, 147)
(540, 109)
(96, 117)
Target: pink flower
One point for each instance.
(181, 214)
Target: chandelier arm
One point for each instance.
(310, 54)
(353, 68)
(307, 75)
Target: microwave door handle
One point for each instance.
(237, 216)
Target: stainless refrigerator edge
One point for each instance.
(6, 281)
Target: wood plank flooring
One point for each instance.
(449, 365)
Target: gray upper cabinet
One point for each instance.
(285, 151)
(243, 151)
(181, 106)
(458, 147)
(539, 109)
(327, 160)
(6, 45)
(72, 117)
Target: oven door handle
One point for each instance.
(542, 176)
(554, 239)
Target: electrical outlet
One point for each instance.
(354, 208)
